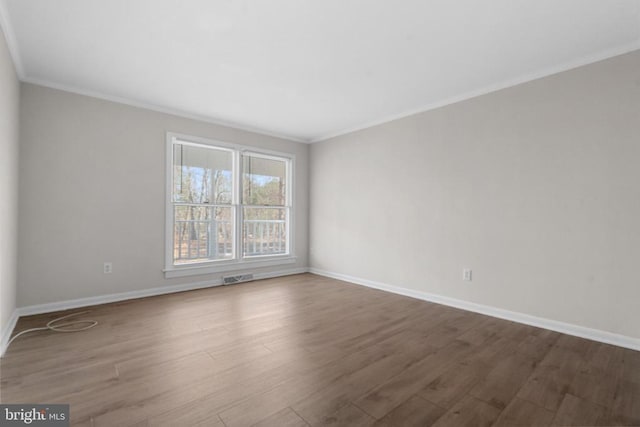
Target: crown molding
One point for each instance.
(556, 69)
(159, 109)
(9, 35)
(5, 25)
(7, 28)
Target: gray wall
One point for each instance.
(93, 190)
(535, 187)
(9, 126)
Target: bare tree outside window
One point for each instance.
(211, 223)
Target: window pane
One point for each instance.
(264, 231)
(201, 175)
(202, 233)
(263, 181)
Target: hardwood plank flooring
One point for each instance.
(306, 350)
(523, 413)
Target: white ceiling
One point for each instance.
(307, 69)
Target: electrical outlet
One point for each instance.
(466, 274)
(108, 268)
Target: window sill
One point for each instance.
(224, 266)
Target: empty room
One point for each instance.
(319, 213)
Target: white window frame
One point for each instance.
(239, 262)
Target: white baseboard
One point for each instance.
(540, 322)
(123, 296)
(7, 330)
(51, 307)
(287, 272)
(554, 325)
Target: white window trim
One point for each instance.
(239, 263)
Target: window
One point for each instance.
(228, 206)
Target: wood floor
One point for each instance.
(307, 350)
